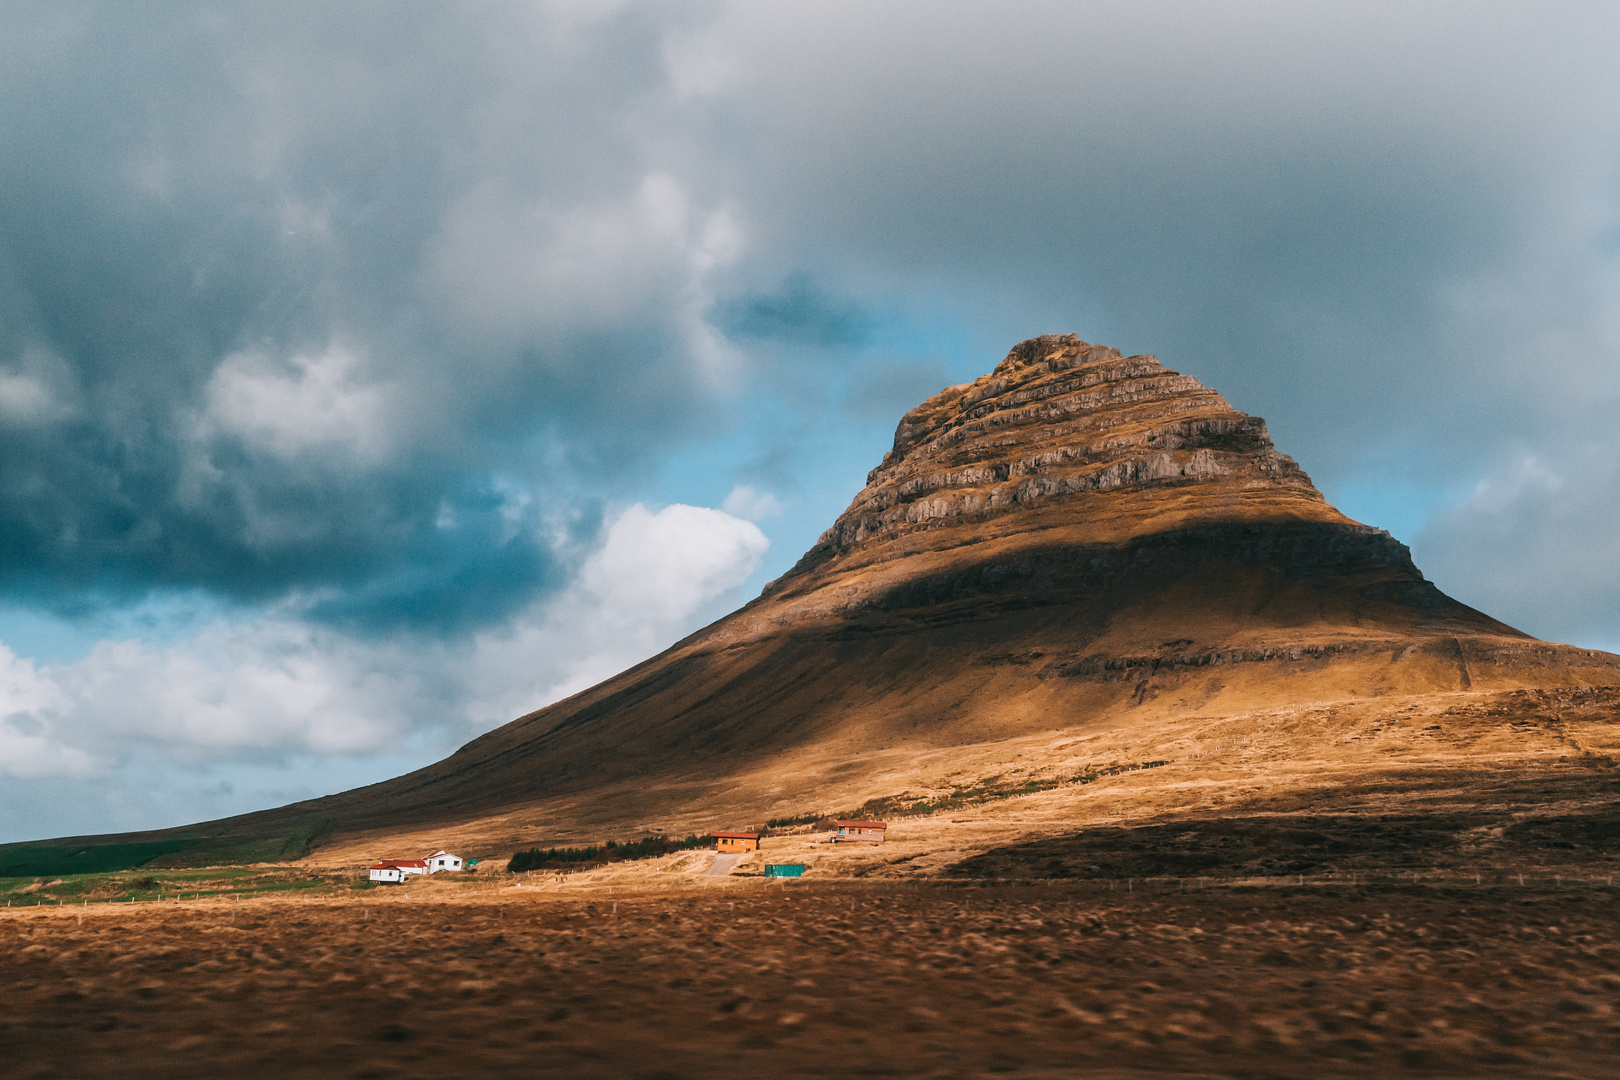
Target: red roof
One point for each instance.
(862, 824)
(404, 862)
(385, 866)
(735, 835)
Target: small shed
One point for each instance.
(784, 870)
(730, 842)
(861, 832)
(387, 873)
(443, 860)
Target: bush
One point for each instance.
(650, 847)
(802, 819)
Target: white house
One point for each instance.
(443, 860)
(388, 874)
(409, 866)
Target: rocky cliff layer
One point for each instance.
(1074, 475)
(1057, 421)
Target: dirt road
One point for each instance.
(723, 865)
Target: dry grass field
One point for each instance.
(826, 979)
(1473, 775)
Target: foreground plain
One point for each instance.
(825, 979)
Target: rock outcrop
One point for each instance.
(1073, 475)
(1057, 421)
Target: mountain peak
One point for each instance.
(1051, 347)
(1047, 346)
(1070, 436)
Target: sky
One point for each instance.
(372, 375)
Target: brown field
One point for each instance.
(1415, 887)
(830, 978)
(1423, 888)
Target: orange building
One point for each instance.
(727, 842)
(869, 832)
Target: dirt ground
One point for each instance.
(1426, 906)
(1431, 916)
(827, 979)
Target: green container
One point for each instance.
(786, 869)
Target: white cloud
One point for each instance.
(250, 691)
(512, 263)
(657, 576)
(308, 404)
(745, 502)
(23, 399)
(235, 690)
(655, 568)
(30, 708)
(37, 390)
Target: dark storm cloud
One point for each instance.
(1538, 539)
(891, 390)
(1286, 201)
(277, 284)
(798, 313)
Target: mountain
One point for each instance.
(1078, 555)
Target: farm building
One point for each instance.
(443, 860)
(735, 841)
(867, 832)
(387, 873)
(409, 866)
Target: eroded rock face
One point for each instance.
(1059, 419)
(1070, 470)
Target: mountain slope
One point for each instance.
(1077, 542)
(1074, 534)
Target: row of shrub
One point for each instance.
(802, 819)
(650, 847)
